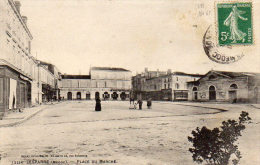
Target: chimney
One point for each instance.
(157, 73)
(17, 5)
(24, 19)
(169, 71)
(146, 70)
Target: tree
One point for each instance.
(216, 146)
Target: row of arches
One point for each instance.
(105, 96)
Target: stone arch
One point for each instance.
(88, 96)
(78, 95)
(114, 95)
(123, 96)
(195, 93)
(232, 93)
(106, 95)
(69, 95)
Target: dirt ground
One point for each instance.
(73, 133)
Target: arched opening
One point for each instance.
(114, 96)
(69, 96)
(123, 96)
(177, 86)
(106, 96)
(96, 95)
(195, 93)
(232, 93)
(212, 93)
(87, 96)
(78, 95)
(256, 95)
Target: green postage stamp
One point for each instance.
(235, 23)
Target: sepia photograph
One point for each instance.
(129, 82)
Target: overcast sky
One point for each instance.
(163, 34)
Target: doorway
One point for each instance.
(195, 93)
(232, 93)
(69, 96)
(212, 93)
(78, 95)
(87, 96)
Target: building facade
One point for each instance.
(104, 82)
(158, 85)
(49, 83)
(17, 66)
(21, 75)
(226, 87)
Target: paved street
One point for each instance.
(73, 133)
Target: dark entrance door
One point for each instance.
(123, 96)
(232, 93)
(195, 93)
(256, 95)
(212, 93)
(87, 96)
(69, 95)
(106, 96)
(114, 96)
(78, 96)
(22, 90)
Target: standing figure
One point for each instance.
(140, 102)
(232, 22)
(149, 103)
(98, 104)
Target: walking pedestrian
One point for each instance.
(140, 102)
(98, 104)
(149, 103)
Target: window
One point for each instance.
(177, 86)
(165, 86)
(176, 78)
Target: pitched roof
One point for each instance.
(109, 68)
(187, 74)
(232, 74)
(75, 76)
(236, 74)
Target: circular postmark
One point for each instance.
(222, 55)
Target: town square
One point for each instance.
(145, 136)
(129, 82)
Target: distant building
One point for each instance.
(49, 83)
(226, 86)
(104, 82)
(160, 85)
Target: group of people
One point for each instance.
(140, 103)
(132, 104)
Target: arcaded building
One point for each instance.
(104, 82)
(226, 87)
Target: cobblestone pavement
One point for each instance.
(73, 133)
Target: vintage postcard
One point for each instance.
(129, 82)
